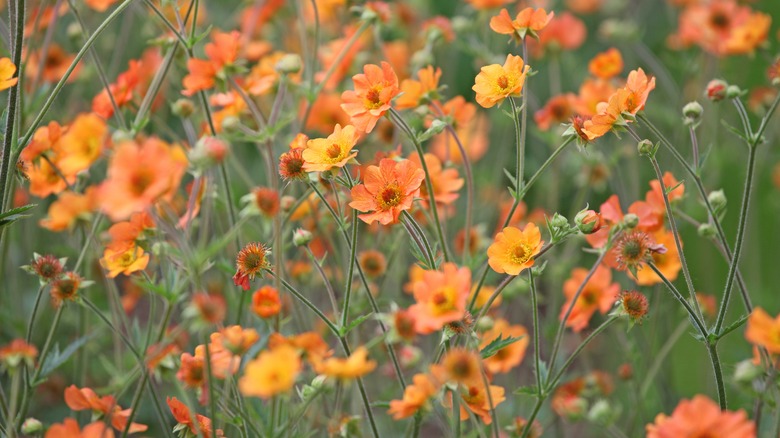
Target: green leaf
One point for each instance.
(734, 130)
(527, 390)
(497, 345)
(58, 358)
(511, 177)
(356, 322)
(14, 214)
(735, 325)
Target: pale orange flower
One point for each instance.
(495, 82)
(763, 330)
(565, 32)
(69, 428)
(7, 73)
(510, 356)
(45, 180)
(356, 365)
(514, 250)
(559, 109)
(701, 417)
(417, 92)
(440, 297)
(266, 302)
(55, 63)
(470, 126)
(374, 89)
(323, 154)
(487, 4)
(445, 182)
(85, 398)
(591, 93)
(140, 174)
(273, 372)
(475, 399)
(124, 261)
(236, 339)
(16, 352)
(183, 417)
(222, 51)
(69, 208)
(415, 397)
(325, 113)
(82, 144)
(599, 293)
(722, 27)
(387, 190)
(667, 262)
(606, 65)
(100, 5)
(529, 20)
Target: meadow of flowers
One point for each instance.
(419, 218)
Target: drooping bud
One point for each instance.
(716, 90)
(289, 63)
(301, 237)
(183, 108)
(646, 148)
(630, 220)
(692, 112)
(718, 200)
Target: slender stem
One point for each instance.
(419, 237)
(31, 322)
(677, 295)
(520, 149)
(363, 394)
(13, 107)
(351, 270)
(743, 116)
(328, 286)
(508, 279)
(743, 213)
(694, 147)
(712, 349)
(332, 327)
(400, 122)
(676, 234)
(537, 344)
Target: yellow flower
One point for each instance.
(124, 261)
(7, 72)
(356, 365)
(323, 154)
(514, 250)
(494, 83)
(273, 372)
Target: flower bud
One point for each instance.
(588, 221)
(733, 91)
(230, 123)
(31, 426)
(646, 148)
(746, 372)
(692, 112)
(289, 63)
(301, 237)
(707, 230)
(286, 203)
(183, 108)
(601, 413)
(717, 199)
(121, 136)
(630, 220)
(716, 90)
(625, 371)
(559, 221)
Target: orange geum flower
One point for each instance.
(374, 89)
(510, 356)
(85, 398)
(184, 419)
(55, 63)
(441, 297)
(235, 339)
(495, 82)
(599, 293)
(124, 261)
(66, 288)
(69, 428)
(7, 73)
(476, 399)
(458, 365)
(69, 208)
(417, 92)
(373, 263)
(763, 330)
(140, 174)
(668, 262)
(310, 344)
(356, 365)
(323, 154)
(192, 371)
(639, 87)
(222, 52)
(701, 417)
(266, 302)
(46, 267)
(16, 352)
(45, 179)
(273, 372)
(565, 32)
(387, 190)
(250, 261)
(607, 64)
(514, 250)
(445, 182)
(100, 5)
(416, 396)
(487, 4)
(210, 307)
(527, 22)
(559, 109)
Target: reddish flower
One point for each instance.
(387, 190)
(374, 89)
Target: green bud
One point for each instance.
(717, 199)
(647, 148)
(733, 92)
(183, 108)
(587, 221)
(559, 221)
(601, 413)
(289, 63)
(707, 231)
(230, 123)
(31, 426)
(301, 237)
(746, 372)
(630, 220)
(693, 110)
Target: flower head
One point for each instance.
(701, 417)
(184, 419)
(415, 397)
(510, 356)
(460, 365)
(374, 89)
(66, 287)
(633, 304)
(251, 260)
(441, 297)
(633, 249)
(46, 267)
(599, 293)
(266, 302)
(356, 365)
(373, 263)
(16, 352)
(387, 190)
(513, 250)
(763, 330)
(606, 65)
(495, 82)
(291, 164)
(7, 73)
(322, 154)
(527, 21)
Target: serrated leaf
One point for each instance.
(15, 214)
(355, 322)
(511, 177)
(58, 358)
(671, 189)
(498, 344)
(733, 326)
(527, 390)
(734, 130)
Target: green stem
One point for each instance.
(363, 394)
(31, 322)
(677, 295)
(13, 107)
(570, 360)
(537, 344)
(332, 327)
(351, 270)
(418, 236)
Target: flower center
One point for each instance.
(443, 300)
(140, 181)
(389, 197)
(719, 20)
(333, 151)
(503, 82)
(373, 99)
(520, 254)
(632, 250)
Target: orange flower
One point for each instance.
(475, 399)
(721, 27)
(16, 352)
(668, 262)
(470, 126)
(266, 302)
(639, 87)
(373, 263)
(763, 330)
(222, 52)
(440, 297)
(85, 398)
(599, 293)
(387, 190)
(323, 154)
(559, 109)
(356, 365)
(528, 21)
(124, 261)
(374, 89)
(416, 396)
(565, 32)
(445, 182)
(416, 93)
(494, 83)
(69, 208)
(7, 73)
(607, 64)
(69, 428)
(183, 417)
(513, 250)
(65, 288)
(591, 93)
(140, 174)
(210, 307)
(100, 5)
(700, 417)
(44, 179)
(192, 371)
(134, 80)
(310, 344)
(487, 4)
(250, 261)
(273, 372)
(458, 365)
(510, 356)
(55, 63)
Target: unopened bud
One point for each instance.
(707, 231)
(630, 220)
(230, 123)
(289, 63)
(716, 90)
(286, 203)
(601, 413)
(559, 221)
(733, 91)
(31, 426)
(646, 148)
(746, 372)
(692, 112)
(717, 199)
(301, 237)
(183, 108)
(587, 221)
